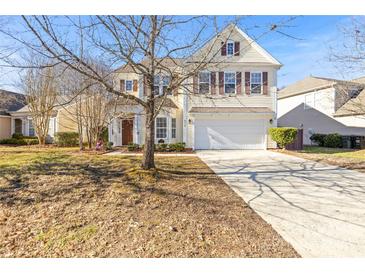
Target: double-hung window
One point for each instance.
(156, 85)
(128, 85)
(256, 82)
(165, 84)
(161, 127)
(204, 80)
(229, 82)
(31, 130)
(173, 127)
(160, 84)
(230, 48)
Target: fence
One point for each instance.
(298, 142)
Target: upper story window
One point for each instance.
(256, 82)
(204, 81)
(160, 84)
(128, 85)
(230, 48)
(229, 82)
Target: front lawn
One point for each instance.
(348, 158)
(62, 203)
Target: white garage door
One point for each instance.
(229, 134)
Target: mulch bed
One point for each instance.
(81, 205)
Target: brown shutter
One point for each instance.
(212, 83)
(195, 84)
(236, 48)
(221, 83)
(238, 83)
(135, 85)
(264, 83)
(224, 49)
(247, 82)
(144, 85)
(122, 85)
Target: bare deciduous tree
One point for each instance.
(347, 55)
(40, 88)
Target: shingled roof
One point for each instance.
(10, 101)
(311, 83)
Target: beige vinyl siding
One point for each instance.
(5, 127)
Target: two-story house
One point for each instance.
(323, 105)
(231, 105)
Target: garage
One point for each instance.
(229, 134)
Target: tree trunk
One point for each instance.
(42, 140)
(148, 160)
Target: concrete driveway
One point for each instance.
(319, 209)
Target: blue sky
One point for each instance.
(306, 55)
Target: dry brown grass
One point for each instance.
(61, 203)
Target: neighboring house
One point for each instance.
(62, 119)
(233, 105)
(9, 101)
(323, 105)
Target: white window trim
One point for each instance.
(209, 81)
(262, 83)
(235, 82)
(230, 42)
(125, 85)
(167, 128)
(30, 120)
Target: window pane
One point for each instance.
(173, 128)
(165, 80)
(230, 88)
(31, 128)
(204, 88)
(229, 78)
(204, 77)
(230, 46)
(156, 90)
(256, 78)
(128, 85)
(156, 80)
(255, 88)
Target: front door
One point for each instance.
(127, 132)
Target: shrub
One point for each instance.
(17, 136)
(318, 139)
(333, 140)
(132, 147)
(13, 141)
(109, 145)
(19, 141)
(283, 135)
(104, 135)
(66, 139)
(161, 147)
(177, 147)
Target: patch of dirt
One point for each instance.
(98, 206)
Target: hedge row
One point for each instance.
(283, 136)
(178, 147)
(327, 140)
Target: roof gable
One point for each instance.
(250, 50)
(10, 101)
